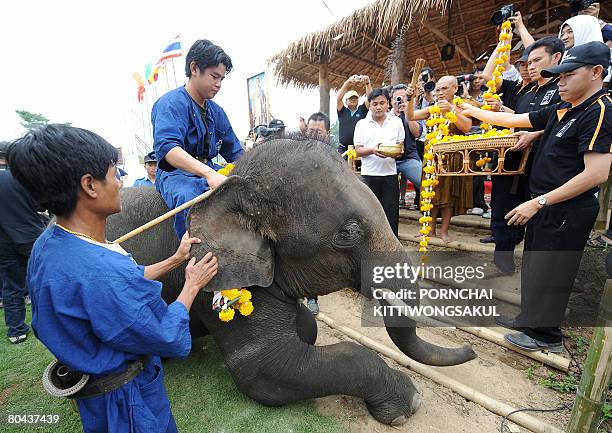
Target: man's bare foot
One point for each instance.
(446, 238)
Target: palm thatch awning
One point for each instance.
(367, 41)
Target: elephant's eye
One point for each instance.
(349, 235)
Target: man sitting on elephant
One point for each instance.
(189, 129)
(93, 307)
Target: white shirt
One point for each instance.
(369, 134)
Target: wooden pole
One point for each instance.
(495, 406)
(399, 58)
(597, 372)
(324, 85)
(162, 218)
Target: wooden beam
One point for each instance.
(361, 59)
(324, 85)
(378, 44)
(445, 38)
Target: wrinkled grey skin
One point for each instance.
(292, 221)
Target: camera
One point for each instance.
(502, 15)
(429, 86)
(399, 100)
(467, 77)
(578, 5)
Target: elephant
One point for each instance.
(291, 221)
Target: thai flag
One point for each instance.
(173, 49)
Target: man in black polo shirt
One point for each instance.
(573, 159)
(20, 225)
(510, 191)
(352, 112)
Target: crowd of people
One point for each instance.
(554, 96)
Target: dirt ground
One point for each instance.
(497, 372)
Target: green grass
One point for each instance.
(202, 394)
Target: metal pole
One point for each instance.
(590, 395)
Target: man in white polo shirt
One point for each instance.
(378, 171)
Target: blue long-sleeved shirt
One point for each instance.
(177, 122)
(95, 311)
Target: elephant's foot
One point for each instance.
(398, 403)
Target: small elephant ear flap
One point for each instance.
(244, 256)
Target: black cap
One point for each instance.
(276, 123)
(150, 157)
(591, 53)
(525, 56)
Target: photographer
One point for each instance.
(352, 112)
(574, 157)
(408, 164)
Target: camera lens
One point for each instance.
(429, 86)
(399, 100)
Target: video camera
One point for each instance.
(467, 77)
(502, 15)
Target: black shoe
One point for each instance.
(489, 240)
(507, 322)
(525, 342)
(504, 260)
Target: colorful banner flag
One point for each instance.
(174, 49)
(141, 85)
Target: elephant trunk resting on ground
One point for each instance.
(292, 221)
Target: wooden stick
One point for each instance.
(416, 73)
(162, 218)
(489, 403)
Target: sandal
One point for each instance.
(600, 241)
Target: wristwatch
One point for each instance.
(542, 201)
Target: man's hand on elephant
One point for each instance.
(182, 253)
(215, 179)
(199, 274)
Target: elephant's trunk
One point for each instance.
(402, 330)
(407, 340)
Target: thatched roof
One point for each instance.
(363, 43)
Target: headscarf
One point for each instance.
(586, 28)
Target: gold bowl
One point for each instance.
(391, 150)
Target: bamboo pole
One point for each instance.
(548, 358)
(162, 218)
(597, 372)
(495, 406)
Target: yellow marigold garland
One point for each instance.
(237, 299)
(438, 128)
(503, 52)
(225, 171)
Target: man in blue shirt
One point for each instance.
(150, 164)
(93, 307)
(189, 130)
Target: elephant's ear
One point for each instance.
(222, 223)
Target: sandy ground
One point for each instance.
(496, 372)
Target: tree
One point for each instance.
(31, 120)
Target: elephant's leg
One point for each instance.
(306, 325)
(290, 371)
(271, 363)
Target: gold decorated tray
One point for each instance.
(480, 157)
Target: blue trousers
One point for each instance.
(411, 168)
(12, 279)
(177, 187)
